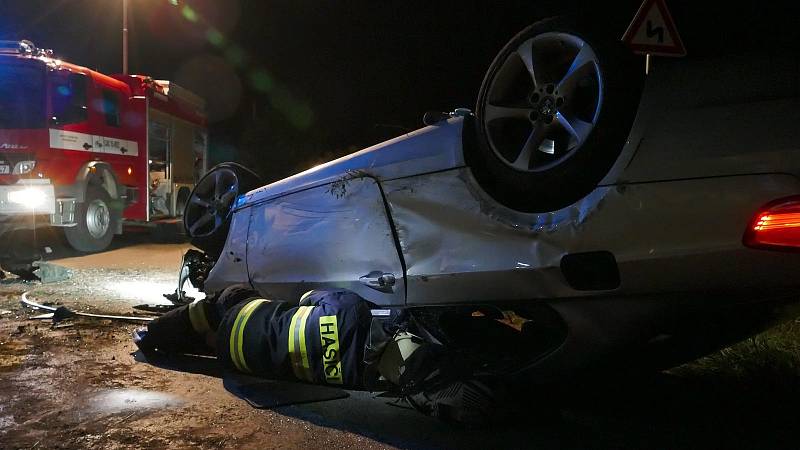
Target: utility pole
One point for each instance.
(125, 37)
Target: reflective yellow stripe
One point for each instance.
(197, 315)
(303, 351)
(297, 343)
(237, 335)
(243, 315)
(234, 332)
(295, 358)
(250, 308)
(232, 339)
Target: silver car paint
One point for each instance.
(327, 236)
(675, 204)
(463, 246)
(426, 150)
(692, 123)
(231, 267)
(294, 257)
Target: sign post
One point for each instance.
(652, 32)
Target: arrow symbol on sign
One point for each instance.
(652, 31)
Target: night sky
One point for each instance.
(291, 84)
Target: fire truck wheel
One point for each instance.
(207, 216)
(96, 222)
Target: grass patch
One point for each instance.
(768, 361)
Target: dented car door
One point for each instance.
(331, 235)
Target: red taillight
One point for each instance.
(776, 226)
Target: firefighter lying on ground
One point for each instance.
(330, 338)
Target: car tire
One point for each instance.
(96, 222)
(553, 114)
(207, 216)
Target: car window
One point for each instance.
(111, 107)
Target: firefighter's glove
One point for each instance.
(142, 341)
(172, 333)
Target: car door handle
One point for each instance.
(380, 281)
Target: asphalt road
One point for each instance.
(659, 411)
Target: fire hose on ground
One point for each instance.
(59, 313)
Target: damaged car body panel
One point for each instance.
(331, 235)
(650, 257)
(429, 149)
(457, 244)
(488, 252)
(328, 226)
(630, 265)
(587, 215)
(231, 266)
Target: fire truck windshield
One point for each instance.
(22, 97)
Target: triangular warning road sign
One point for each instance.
(653, 31)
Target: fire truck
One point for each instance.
(88, 152)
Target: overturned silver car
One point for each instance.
(610, 215)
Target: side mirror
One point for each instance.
(434, 117)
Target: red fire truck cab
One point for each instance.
(86, 151)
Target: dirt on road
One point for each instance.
(80, 387)
(79, 384)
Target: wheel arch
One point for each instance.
(101, 174)
(98, 173)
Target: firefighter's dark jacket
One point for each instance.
(319, 341)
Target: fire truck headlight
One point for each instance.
(30, 197)
(23, 167)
